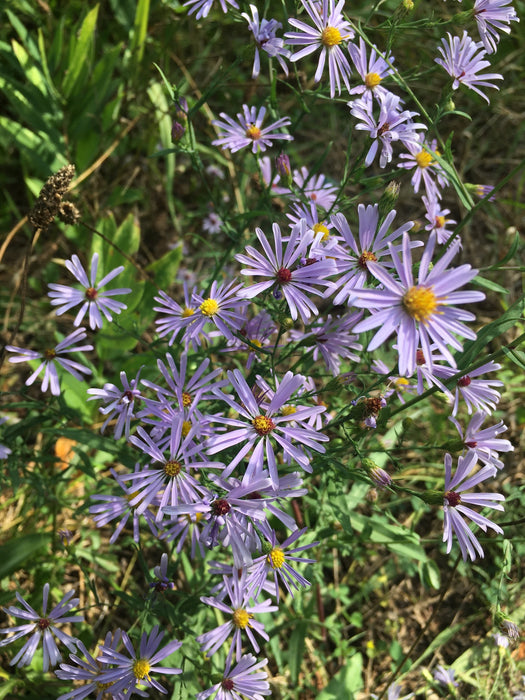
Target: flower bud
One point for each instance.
(177, 131)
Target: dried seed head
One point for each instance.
(48, 203)
(68, 213)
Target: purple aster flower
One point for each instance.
(229, 515)
(330, 30)
(175, 317)
(241, 619)
(485, 443)
(264, 32)
(492, 17)
(396, 384)
(436, 216)
(501, 640)
(353, 256)
(120, 403)
(315, 188)
(279, 563)
(170, 481)
(463, 60)
(455, 509)
(257, 428)
(445, 676)
(202, 7)
(247, 130)
(212, 223)
(138, 666)
(482, 191)
(243, 680)
(422, 313)
(88, 671)
(162, 582)
(115, 507)
(478, 394)
(394, 693)
(426, 169)
(333, 340)
(392, 124)
(257, 332)
(184, 527)
(222, 307)
(314, 220)
(284, 271)
(372, 70)
(44, 626)
(53, 356)
(90, 296)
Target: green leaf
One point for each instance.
(489, 284)
(429, 574)
(296, 645)
(346, 682)
(474, 348)
(516, 356)
(16, 552)
(140, 29)
(165, 269)
(82, 46)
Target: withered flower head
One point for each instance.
(50, 198)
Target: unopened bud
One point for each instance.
(177, 131)
(433, 498)
(389, 198)
(282, 164)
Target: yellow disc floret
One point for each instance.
(276, 558)
(420, 303)
(187, 312)
(423, 159)
(322, 228)
(372, 80)
(186, 427)
(253, 132)
(141, 668)
(209, 307)
(172, 468)
(288, 410)
(263, 425)
(241, 618)
(440, 221)
(331, 36)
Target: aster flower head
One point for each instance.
(478, 394)
(372, 70)
(241, 618)
(421, 313)
(88, 670)
(445, 676)
(244, 680)
(212, 223)
(162, 581)
(283, 268)
(175, 317)
(264, 32)
(329, 31)
(463, 59)
(437, 218)
(202, 7)
(484, 442)
(42, 626)
(90, 297)
(354, 254)
(315, 187)
(492, 17)
(120, 403)
(137, 668)
(391, 124)
(260, 427)
(51, 358)
(278, 560)
(427, 170)
(456, 512)
(248, 131)
(222, 307)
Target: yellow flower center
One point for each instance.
(423, 159)
(288, 410)
(209, 307)
(186, 427)
(188, 312)
(172, 468)
(101, 687)
(256, 342)
(440, 221)
(372, 80)
(331, 36)
(49, 354)
(241, 618)
(253, 132)
(186, 399)
(321, 228)
(263, 425)
(276, 558)
(131, 496)
(141, 668)
(420, 303)
(401, 381)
